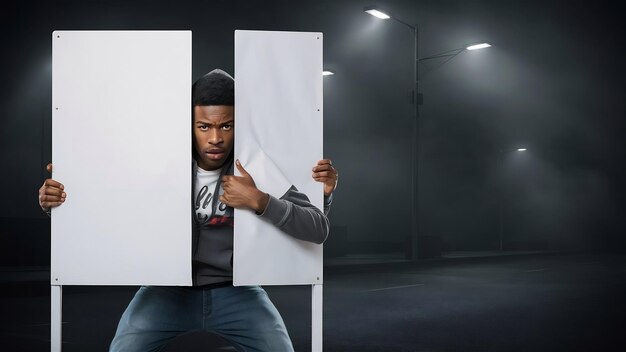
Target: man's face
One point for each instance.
(214, 134)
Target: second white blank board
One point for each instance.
(278, 139)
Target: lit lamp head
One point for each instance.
(377, 13)
(478, 46)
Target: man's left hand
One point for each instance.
(326, 173)
(241, 192)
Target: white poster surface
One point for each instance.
(278, 139)
(121, 146)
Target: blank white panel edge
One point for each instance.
(121, 146)
(278, 139)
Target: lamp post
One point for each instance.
(501, 193)
(411, 247)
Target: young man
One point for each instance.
(242, 315)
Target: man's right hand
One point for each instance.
(51, 193)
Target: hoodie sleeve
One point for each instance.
(294, 214)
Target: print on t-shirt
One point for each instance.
(205, 183)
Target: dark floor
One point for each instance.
(555, 302)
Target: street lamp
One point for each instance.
(411, 248)
(501, 192)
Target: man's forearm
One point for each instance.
(294, 214)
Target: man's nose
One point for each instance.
(215, 137)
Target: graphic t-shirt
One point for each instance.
(205, 182)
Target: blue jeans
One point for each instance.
(242, 315)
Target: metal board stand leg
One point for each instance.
(56, 295)
(316, 318)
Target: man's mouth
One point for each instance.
(215, 154)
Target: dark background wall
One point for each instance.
(552, 82)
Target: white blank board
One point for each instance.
(121, 145)
(278, 139)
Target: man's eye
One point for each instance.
(203, 127)
(227, 127)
